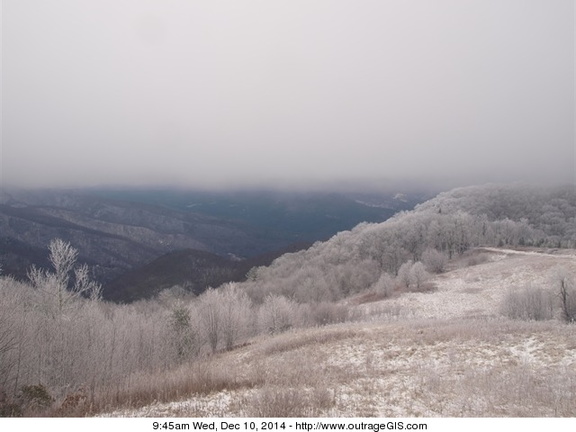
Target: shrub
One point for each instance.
(277, 314)
(8, 407)
(477, 260)
(290, 402)
(529, 303)
(35, 398)
(434, 261)
(384, 287)
(74, 403)
(403, 277)
(417, 277)
(325, 313)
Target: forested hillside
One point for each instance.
(437, 230)
(188, 270)
(63, 350)
(550, 212)
(119, 230)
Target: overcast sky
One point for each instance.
(236, 93)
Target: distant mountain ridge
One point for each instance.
(192, 270)
(119, 230)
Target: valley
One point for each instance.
(120, 231)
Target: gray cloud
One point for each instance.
(239, 93)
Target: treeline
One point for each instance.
(549, 211)
(435, 231)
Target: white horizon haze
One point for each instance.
(289, 93)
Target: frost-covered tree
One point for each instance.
(11, 329)
(434, 261)
(403, 277)
(211, 316)
(384, 286)
(567, 291)
(417, 275)
(236, 312)
(528, 303)
(184, 331)
(57, 294)
(277, 314)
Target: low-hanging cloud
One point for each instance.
(250, 93)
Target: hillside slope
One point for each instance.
(190, 269)
(444, 353)
(120, 230)
(352, 261)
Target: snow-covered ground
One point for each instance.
(477, 290)
(441, 353)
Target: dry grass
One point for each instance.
(197, 379)
(289, 402)
(293, 340)
(442, 354)
(406, 368)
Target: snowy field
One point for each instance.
(446, 353)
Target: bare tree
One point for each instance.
(63, 258)
(210, 314)
(567, 293)
(54, 287)
(85, 286)
(277, 314)
(417, 276)
(384, 286)
(403, 277)
(434, 261)
(235, 314)
(9, 340)
(184, 331)
(528, 303)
